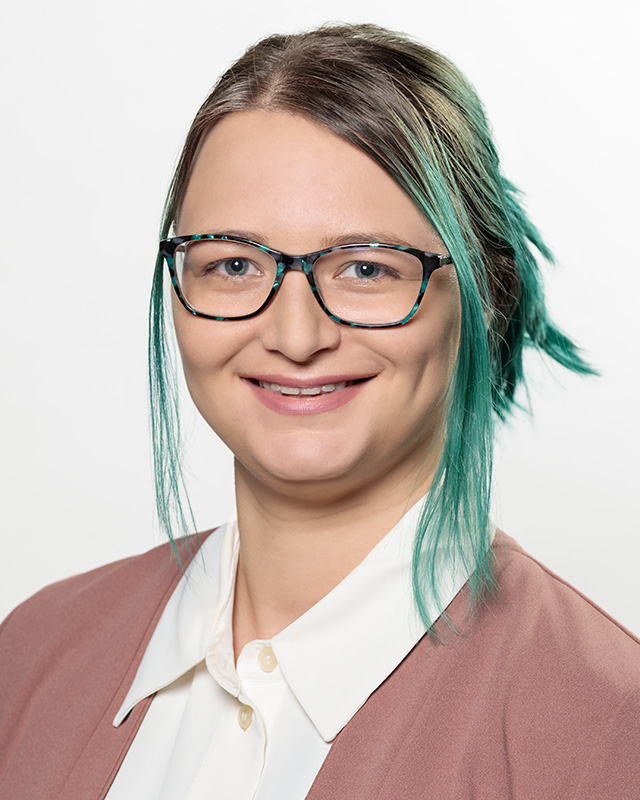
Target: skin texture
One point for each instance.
(315, 491)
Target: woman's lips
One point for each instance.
(305, 397)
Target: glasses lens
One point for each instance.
(224, 278)
(369, 285)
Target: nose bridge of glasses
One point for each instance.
(295, 263)
(301, 264)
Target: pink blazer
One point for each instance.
(539, 700)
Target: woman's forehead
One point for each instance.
(263, 170)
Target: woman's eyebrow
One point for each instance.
(366, 237)
(327, 241)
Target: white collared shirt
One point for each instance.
(260, 730)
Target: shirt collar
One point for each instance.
(180, 638)
(333, 657)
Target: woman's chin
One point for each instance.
(306, 461)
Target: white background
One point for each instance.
(96, 99)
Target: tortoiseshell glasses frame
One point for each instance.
(283, 262)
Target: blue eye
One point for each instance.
(235, 267)
(367, 271)
(364, 270)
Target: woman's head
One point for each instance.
(286, 182)
(413, 113)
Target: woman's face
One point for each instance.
(293, 185)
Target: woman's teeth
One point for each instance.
(325, 388)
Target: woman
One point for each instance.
(353, 286)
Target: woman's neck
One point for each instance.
(294, 549)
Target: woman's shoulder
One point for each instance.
(542, 609)
(70, 649)
(106, 589)
(110, 606)
(539, 656)
(562, 667)
(539, 690)
(566, 677)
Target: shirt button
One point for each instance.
(244, 717)
(267, 659)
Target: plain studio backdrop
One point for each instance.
(96, 100)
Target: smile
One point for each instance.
(325, 388)
(307, 397)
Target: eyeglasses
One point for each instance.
(370, 285)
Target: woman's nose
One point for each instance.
(295, 325)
